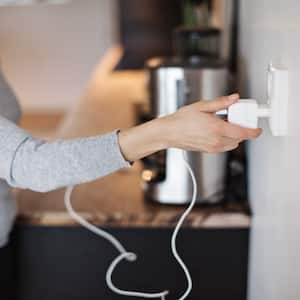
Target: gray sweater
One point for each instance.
(30, 163)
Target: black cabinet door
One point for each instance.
(8, 270)
(70, 263)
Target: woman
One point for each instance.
(30, 163)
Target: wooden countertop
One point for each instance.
(116, 200)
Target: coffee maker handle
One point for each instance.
(180, 92)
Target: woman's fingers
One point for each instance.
(227, 129)
(230, 147)
(221, 144)
(229, 141)
(212, 106)
(237, 132)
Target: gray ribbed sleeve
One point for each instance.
(30, 163)
(9, 109)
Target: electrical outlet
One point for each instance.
(246, 112)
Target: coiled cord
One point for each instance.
(131, 257)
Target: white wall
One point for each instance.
(271, 30)
(48, 52)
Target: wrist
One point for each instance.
(143, 140)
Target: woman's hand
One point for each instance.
(194, 127)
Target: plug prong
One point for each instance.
(223, 112)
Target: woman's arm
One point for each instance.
(30, 163)
(27, 162)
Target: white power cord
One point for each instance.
(129, 256)
(178, 226)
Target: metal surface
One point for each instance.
(170, 88)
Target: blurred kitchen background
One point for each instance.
(50, 51)
(85, 67)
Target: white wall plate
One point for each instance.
(278, 96)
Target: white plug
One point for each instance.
(246, 112)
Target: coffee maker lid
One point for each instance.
(193, 62)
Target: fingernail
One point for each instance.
(234, 96)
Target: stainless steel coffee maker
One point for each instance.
(173, 83)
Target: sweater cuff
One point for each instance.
(118, 153)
